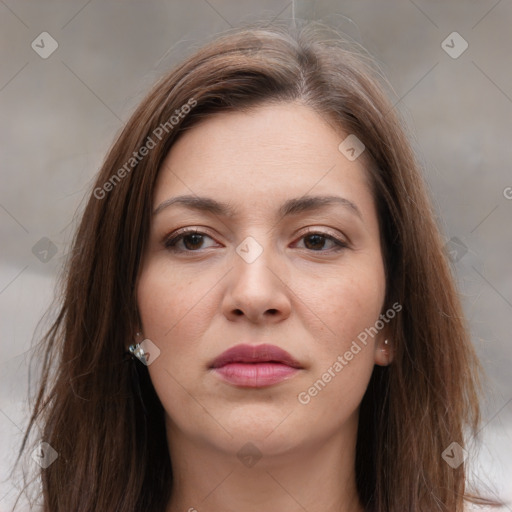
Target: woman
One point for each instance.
(258, 314)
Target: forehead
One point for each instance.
(261, 157)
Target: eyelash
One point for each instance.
(171, 241)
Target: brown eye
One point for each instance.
(315, 241)
(192, 241)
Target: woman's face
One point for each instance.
(255, 276)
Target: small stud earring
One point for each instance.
(137, 350)
(386, 346)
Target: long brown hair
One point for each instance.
(110, 436)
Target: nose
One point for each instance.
(257, 290)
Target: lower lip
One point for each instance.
(255, 375)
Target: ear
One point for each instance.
(384, 348)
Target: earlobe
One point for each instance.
(137, 350)
(384, 352)
(137, 338)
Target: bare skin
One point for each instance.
(305, 294)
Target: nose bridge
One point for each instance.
(255, 287)
(251, 250)
(254, 259)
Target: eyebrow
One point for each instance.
(293, 206)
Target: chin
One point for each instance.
(259, 442)
(266, 426)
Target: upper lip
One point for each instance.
(255, 354)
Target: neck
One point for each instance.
(319, 477)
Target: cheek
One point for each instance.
(346, 302)
(174, 318)
(167, 301)
(361, 300)
(344, 355)
(176, 310)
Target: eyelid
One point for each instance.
(325, 232)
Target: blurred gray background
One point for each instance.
(61, 107)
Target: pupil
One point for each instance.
(195, 237)
(319, 239)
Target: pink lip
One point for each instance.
(255, 365)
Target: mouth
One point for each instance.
(255, 366)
